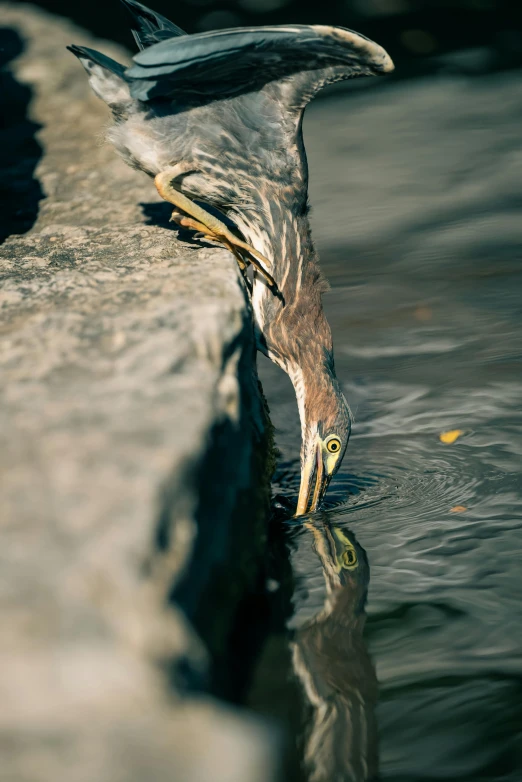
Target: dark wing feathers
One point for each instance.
(108, 64)
(149, 27)
(225, 63)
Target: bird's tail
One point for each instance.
(85, 54)
(149, 27)
(105, 76)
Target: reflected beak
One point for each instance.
(314, 482)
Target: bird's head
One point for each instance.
(326, 424)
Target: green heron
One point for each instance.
(216, 118)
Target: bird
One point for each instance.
(215, 118)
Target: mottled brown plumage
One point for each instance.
(217, 117)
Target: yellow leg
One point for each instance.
(194, 225)
(211, 226)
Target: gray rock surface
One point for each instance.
(133, 461)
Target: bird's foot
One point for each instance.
(198, 219)
(203, 232)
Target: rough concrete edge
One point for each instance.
(226, 443)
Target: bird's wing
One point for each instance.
(227, 63)
(149, 27)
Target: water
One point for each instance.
(417, 200)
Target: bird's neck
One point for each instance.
(295, 336)
(274, 227)
(282, 234)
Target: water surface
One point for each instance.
(417, 193)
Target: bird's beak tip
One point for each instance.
(314, 482)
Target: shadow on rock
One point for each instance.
(159, 214)
(20, 191)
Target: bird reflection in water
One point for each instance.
(329, 654)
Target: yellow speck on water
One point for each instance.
(458, 509)
(451, 436)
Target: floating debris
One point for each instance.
(458, 509)
(451, 436)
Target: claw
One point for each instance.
(198, 219)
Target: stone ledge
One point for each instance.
(133, 447)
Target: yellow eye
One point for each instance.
(349, 558)
(333, 445)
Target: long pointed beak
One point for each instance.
(314, 483)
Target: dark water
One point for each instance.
(418, 194)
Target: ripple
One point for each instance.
(417, 475)
(387, 351)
